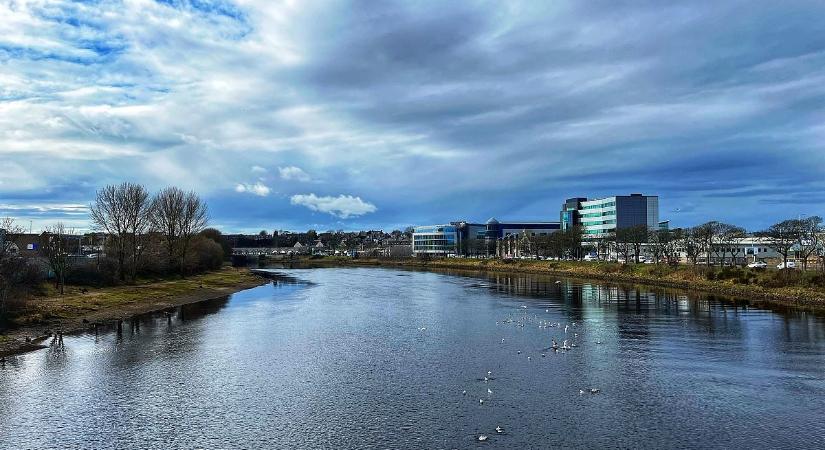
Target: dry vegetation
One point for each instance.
(79, 301)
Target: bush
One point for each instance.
(96, 273)
(205, 254)
(21, 276)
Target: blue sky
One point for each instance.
(328, 115)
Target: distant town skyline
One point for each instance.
(366, 115)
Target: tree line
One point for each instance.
(714, 240)
(141, 234)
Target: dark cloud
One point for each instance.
(434, 111)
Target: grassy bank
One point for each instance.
(81, 306)
(797, 290)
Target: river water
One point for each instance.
(377, 358)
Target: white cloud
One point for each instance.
(293, 173)
(258, 189)
(343, 206)
(258, 169)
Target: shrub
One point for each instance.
(205, 254)
(93, 273)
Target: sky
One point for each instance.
(364, 115)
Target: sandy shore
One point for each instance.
(79, 312)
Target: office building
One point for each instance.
(436, 240)
(603, 216)
(467, 238)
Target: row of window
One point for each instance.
(600, 222)
(739, 249)
(600, 205)
(419, 237)
(600, 214)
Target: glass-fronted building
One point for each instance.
(570, 212)
(465, 238)
(601, 217)
(440, 240)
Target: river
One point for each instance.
(380, 358)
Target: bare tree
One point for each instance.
(694, 242)
(671, 247)
(137, 210)
(179, 216)
(810, 235)
(10, 264)
(631, 239)
(658, 241)
(728, 238)
(54, 246)
(782, 237)
(9, 232)
(109, 215)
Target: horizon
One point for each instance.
(358, 116)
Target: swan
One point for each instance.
(499, 430)
(482, 438)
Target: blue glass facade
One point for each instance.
(435, 239)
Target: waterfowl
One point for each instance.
(482, 438)
(499, 430)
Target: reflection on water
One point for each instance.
(353, 358)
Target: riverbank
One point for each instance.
(738, 283)
(81, 307)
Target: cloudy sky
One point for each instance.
(298, 114)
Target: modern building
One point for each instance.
(438, 240)
(602, 216)
(570, 212)
(466, 238)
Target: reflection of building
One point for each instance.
(603, 216)
(467, 238)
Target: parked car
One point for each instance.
(758, 265)
(790, 265)
(590, 257)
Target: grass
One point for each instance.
(81, 300)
